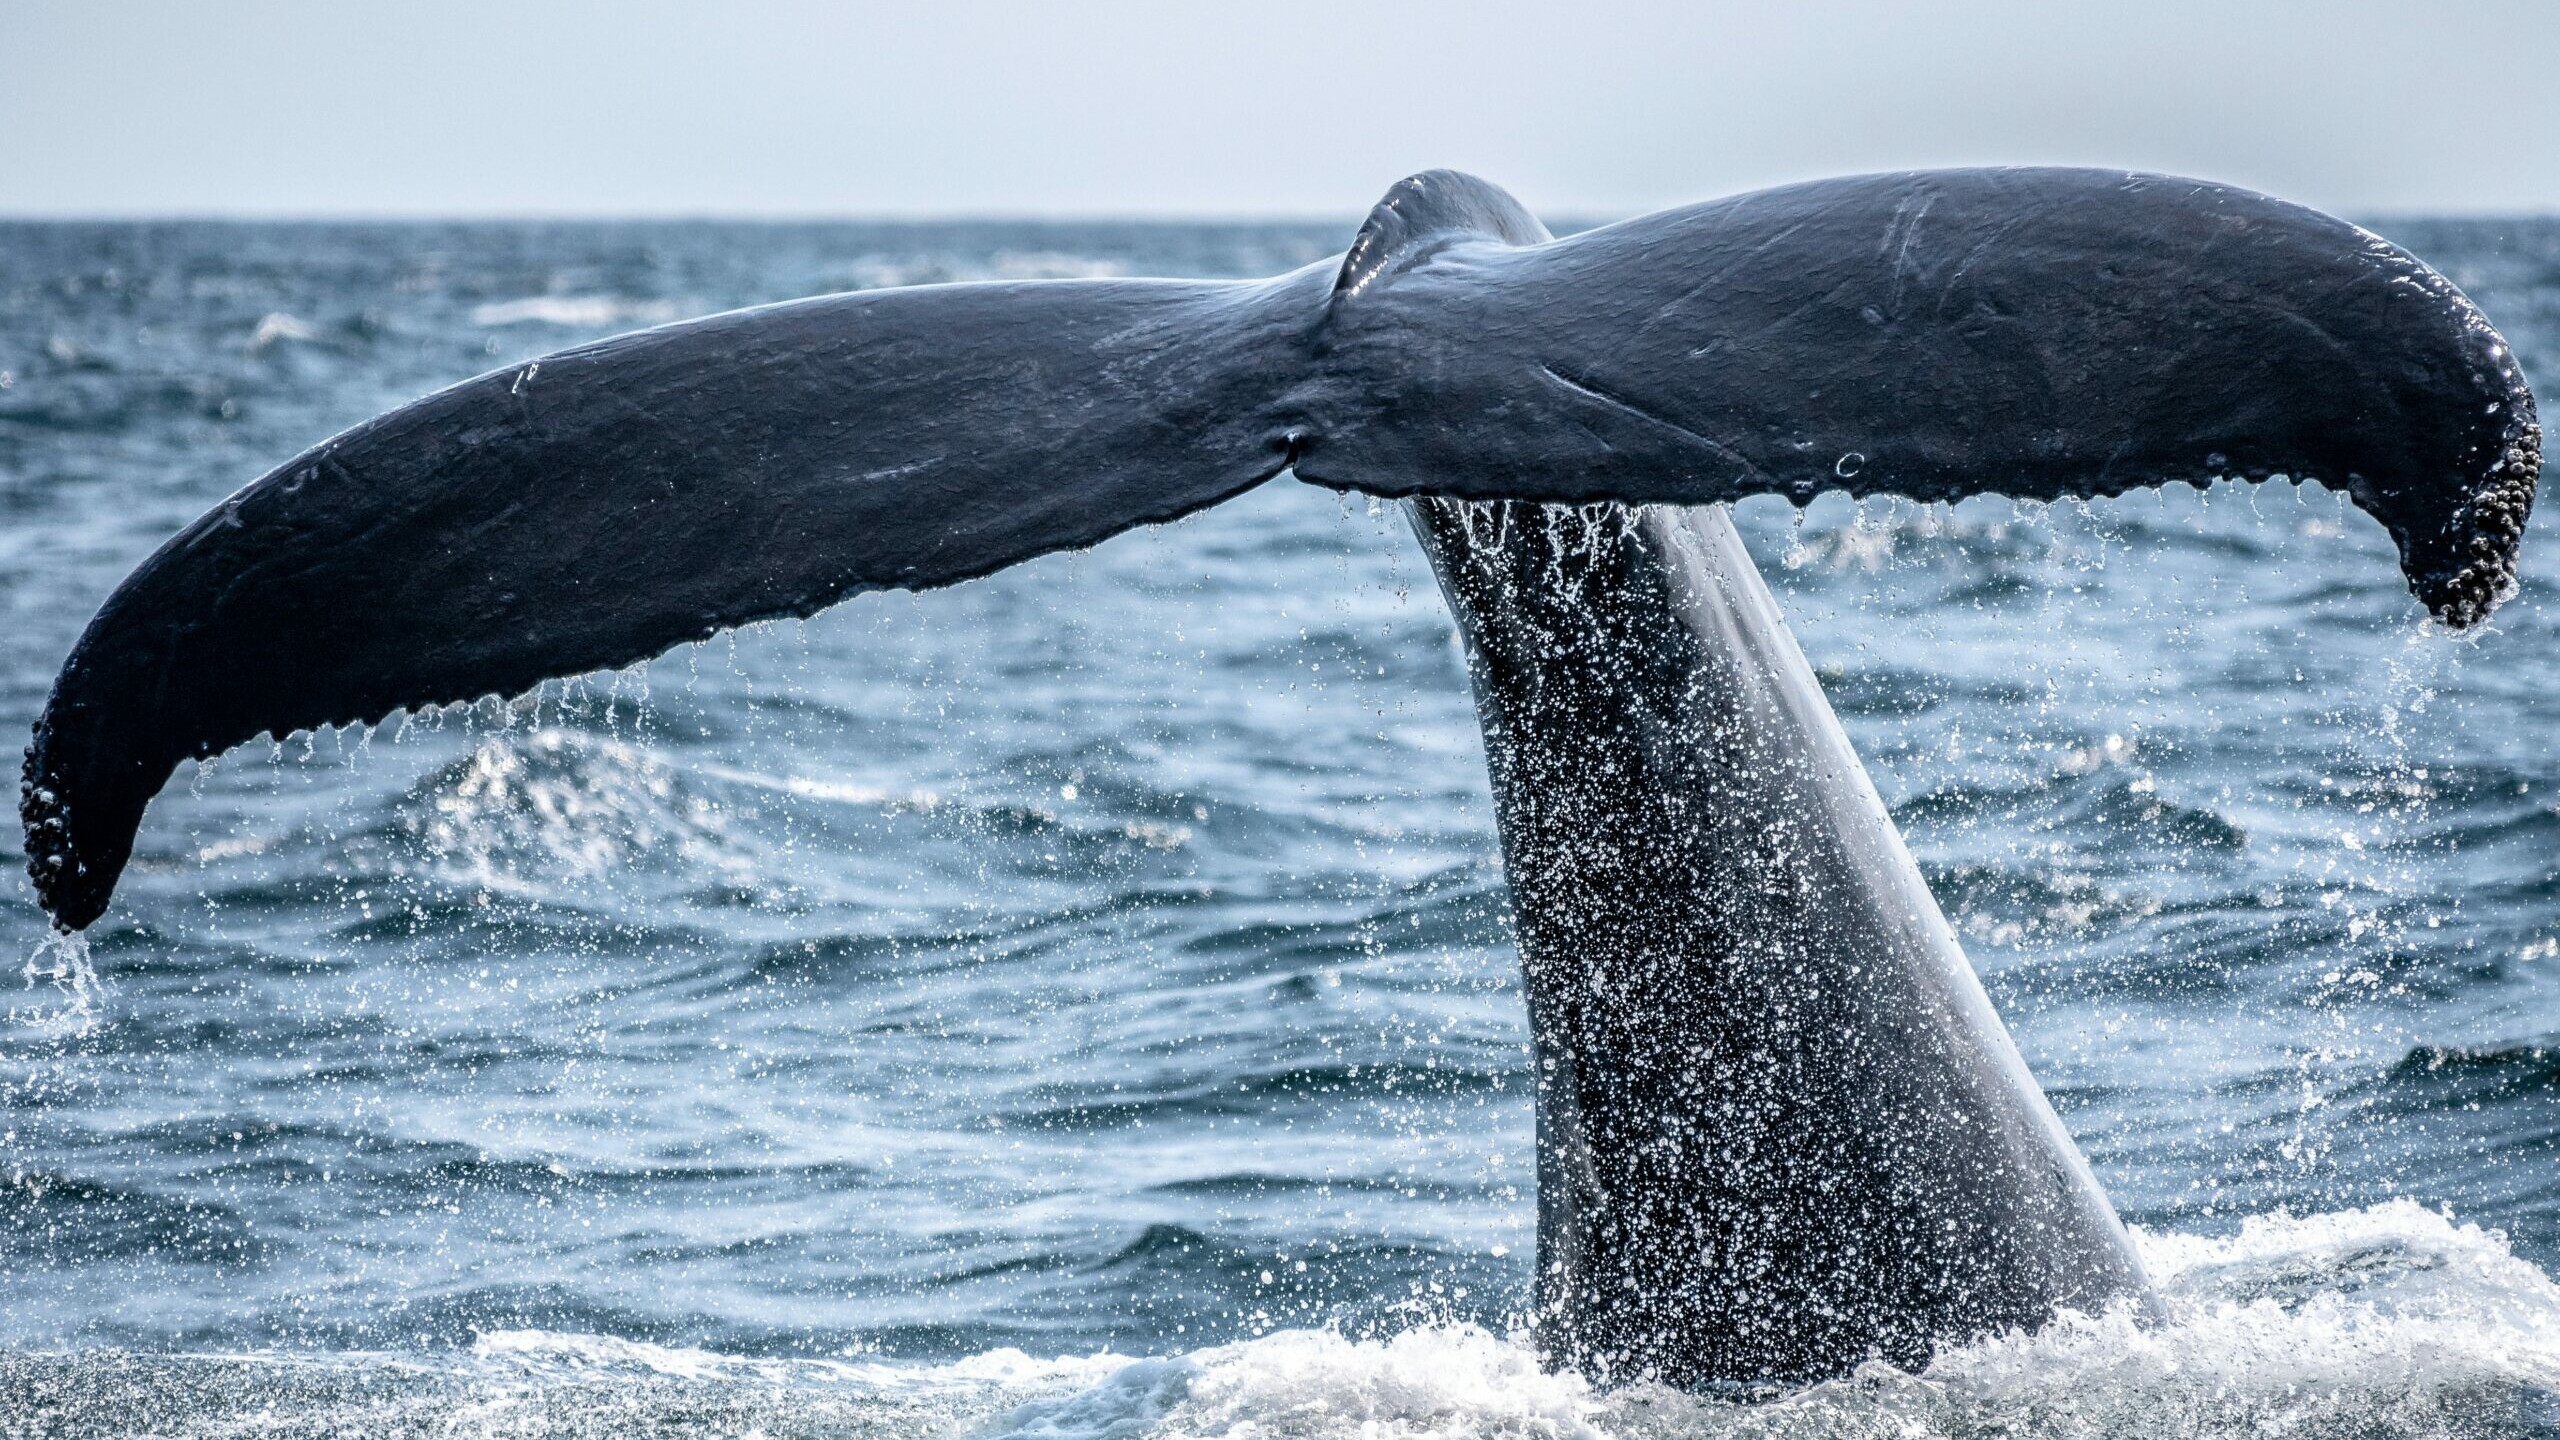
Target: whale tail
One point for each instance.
(2039, 333)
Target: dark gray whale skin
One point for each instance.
(1780, 1127)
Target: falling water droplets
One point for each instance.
(60, 964)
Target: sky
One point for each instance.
(1585, 108)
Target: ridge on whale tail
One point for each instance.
(2037, 333)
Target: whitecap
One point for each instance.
(578, 312)
(277, 327)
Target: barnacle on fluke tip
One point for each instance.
(2487, 535)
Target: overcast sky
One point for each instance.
(1588, 107)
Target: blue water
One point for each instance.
(1081, 1002)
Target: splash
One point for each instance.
(557, 806)
(61, 961)
(2387, 1322)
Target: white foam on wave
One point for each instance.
(276, 328)
(577, 312)
(2388, 1321)
(2392, 1321)
(1438, 1382)
(571, 1353)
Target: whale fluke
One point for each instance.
(2035, 332)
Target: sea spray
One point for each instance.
(60, 962)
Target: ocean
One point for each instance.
(1080, 1002)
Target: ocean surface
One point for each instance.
(1081, 1003)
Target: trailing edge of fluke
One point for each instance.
(2039, 333)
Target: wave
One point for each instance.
(67, 1219)
(2383, 1322)
(1244, 1091)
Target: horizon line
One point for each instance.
(1564, 219)
(679, 217)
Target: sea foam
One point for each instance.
(2382, 1322)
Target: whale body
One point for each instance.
(1781, 1129)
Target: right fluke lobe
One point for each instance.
(2037, 333)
